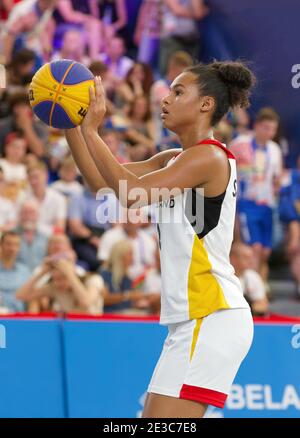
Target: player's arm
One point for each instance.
(90, 171)
(192, 168)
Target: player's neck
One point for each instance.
(192, 136)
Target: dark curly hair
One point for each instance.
(228, 82)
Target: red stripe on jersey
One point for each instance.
(219, 144)
(215, 143)
(203, 395)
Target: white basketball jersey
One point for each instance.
(195, 236)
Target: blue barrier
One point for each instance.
(31, 369)
(91, 368)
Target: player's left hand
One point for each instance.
(97, 108)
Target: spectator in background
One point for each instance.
(289, 213)
(12, 164)
(143, 245)
(178, 61)
(33, 243)
(109, 82)
(68, 185)
(73, 47)
(27, 26)
(140, 125)
(21, 119)
(137, 83)
(119, 297)
(147, 30)
(8, 211)
(259, 167)
(151, 287)
(19, 71)
(52, 205)
(114, 58)
(242, 259)
(88, 218)
(12, 273)
(112, 138)
(76, 14)
(65, 291)
(113, 16)
(180, 29)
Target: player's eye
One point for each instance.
(178, 93)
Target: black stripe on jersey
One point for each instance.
(203, 213)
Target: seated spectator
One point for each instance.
(109, 82)
(33, 243)
(52, 205)
(65, 291)
(180, 30)
(150, 283)
(8, 211)
(77, 15)
(147, 30)
(73, 47)
(112, 138)
(137, 83)
(176, 64)
(113, 15)
(60, 245)
(13, 274)
(88, 219)
(68, 185)
(242, 259)
(27, 25)
(140, 125)
(20, 70)
(12, 164)
(114, 58)
(119, 296)
(21, 119)
(143, 246)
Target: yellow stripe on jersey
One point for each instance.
(205, 295)
(195, 336)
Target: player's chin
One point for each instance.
(167, 123)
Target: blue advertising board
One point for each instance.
(31, 369)
(95, 368)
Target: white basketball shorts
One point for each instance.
(201, 357)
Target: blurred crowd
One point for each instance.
(62, 247)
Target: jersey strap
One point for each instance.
(219, 144)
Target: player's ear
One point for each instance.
(207, 103)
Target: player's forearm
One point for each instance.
(84, 160)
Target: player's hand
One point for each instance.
(97, 108)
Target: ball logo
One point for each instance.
(82, 112)
(31, 95)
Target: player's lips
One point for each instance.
(164, 113)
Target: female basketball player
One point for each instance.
(209, 321)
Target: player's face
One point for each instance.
(181, 107)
